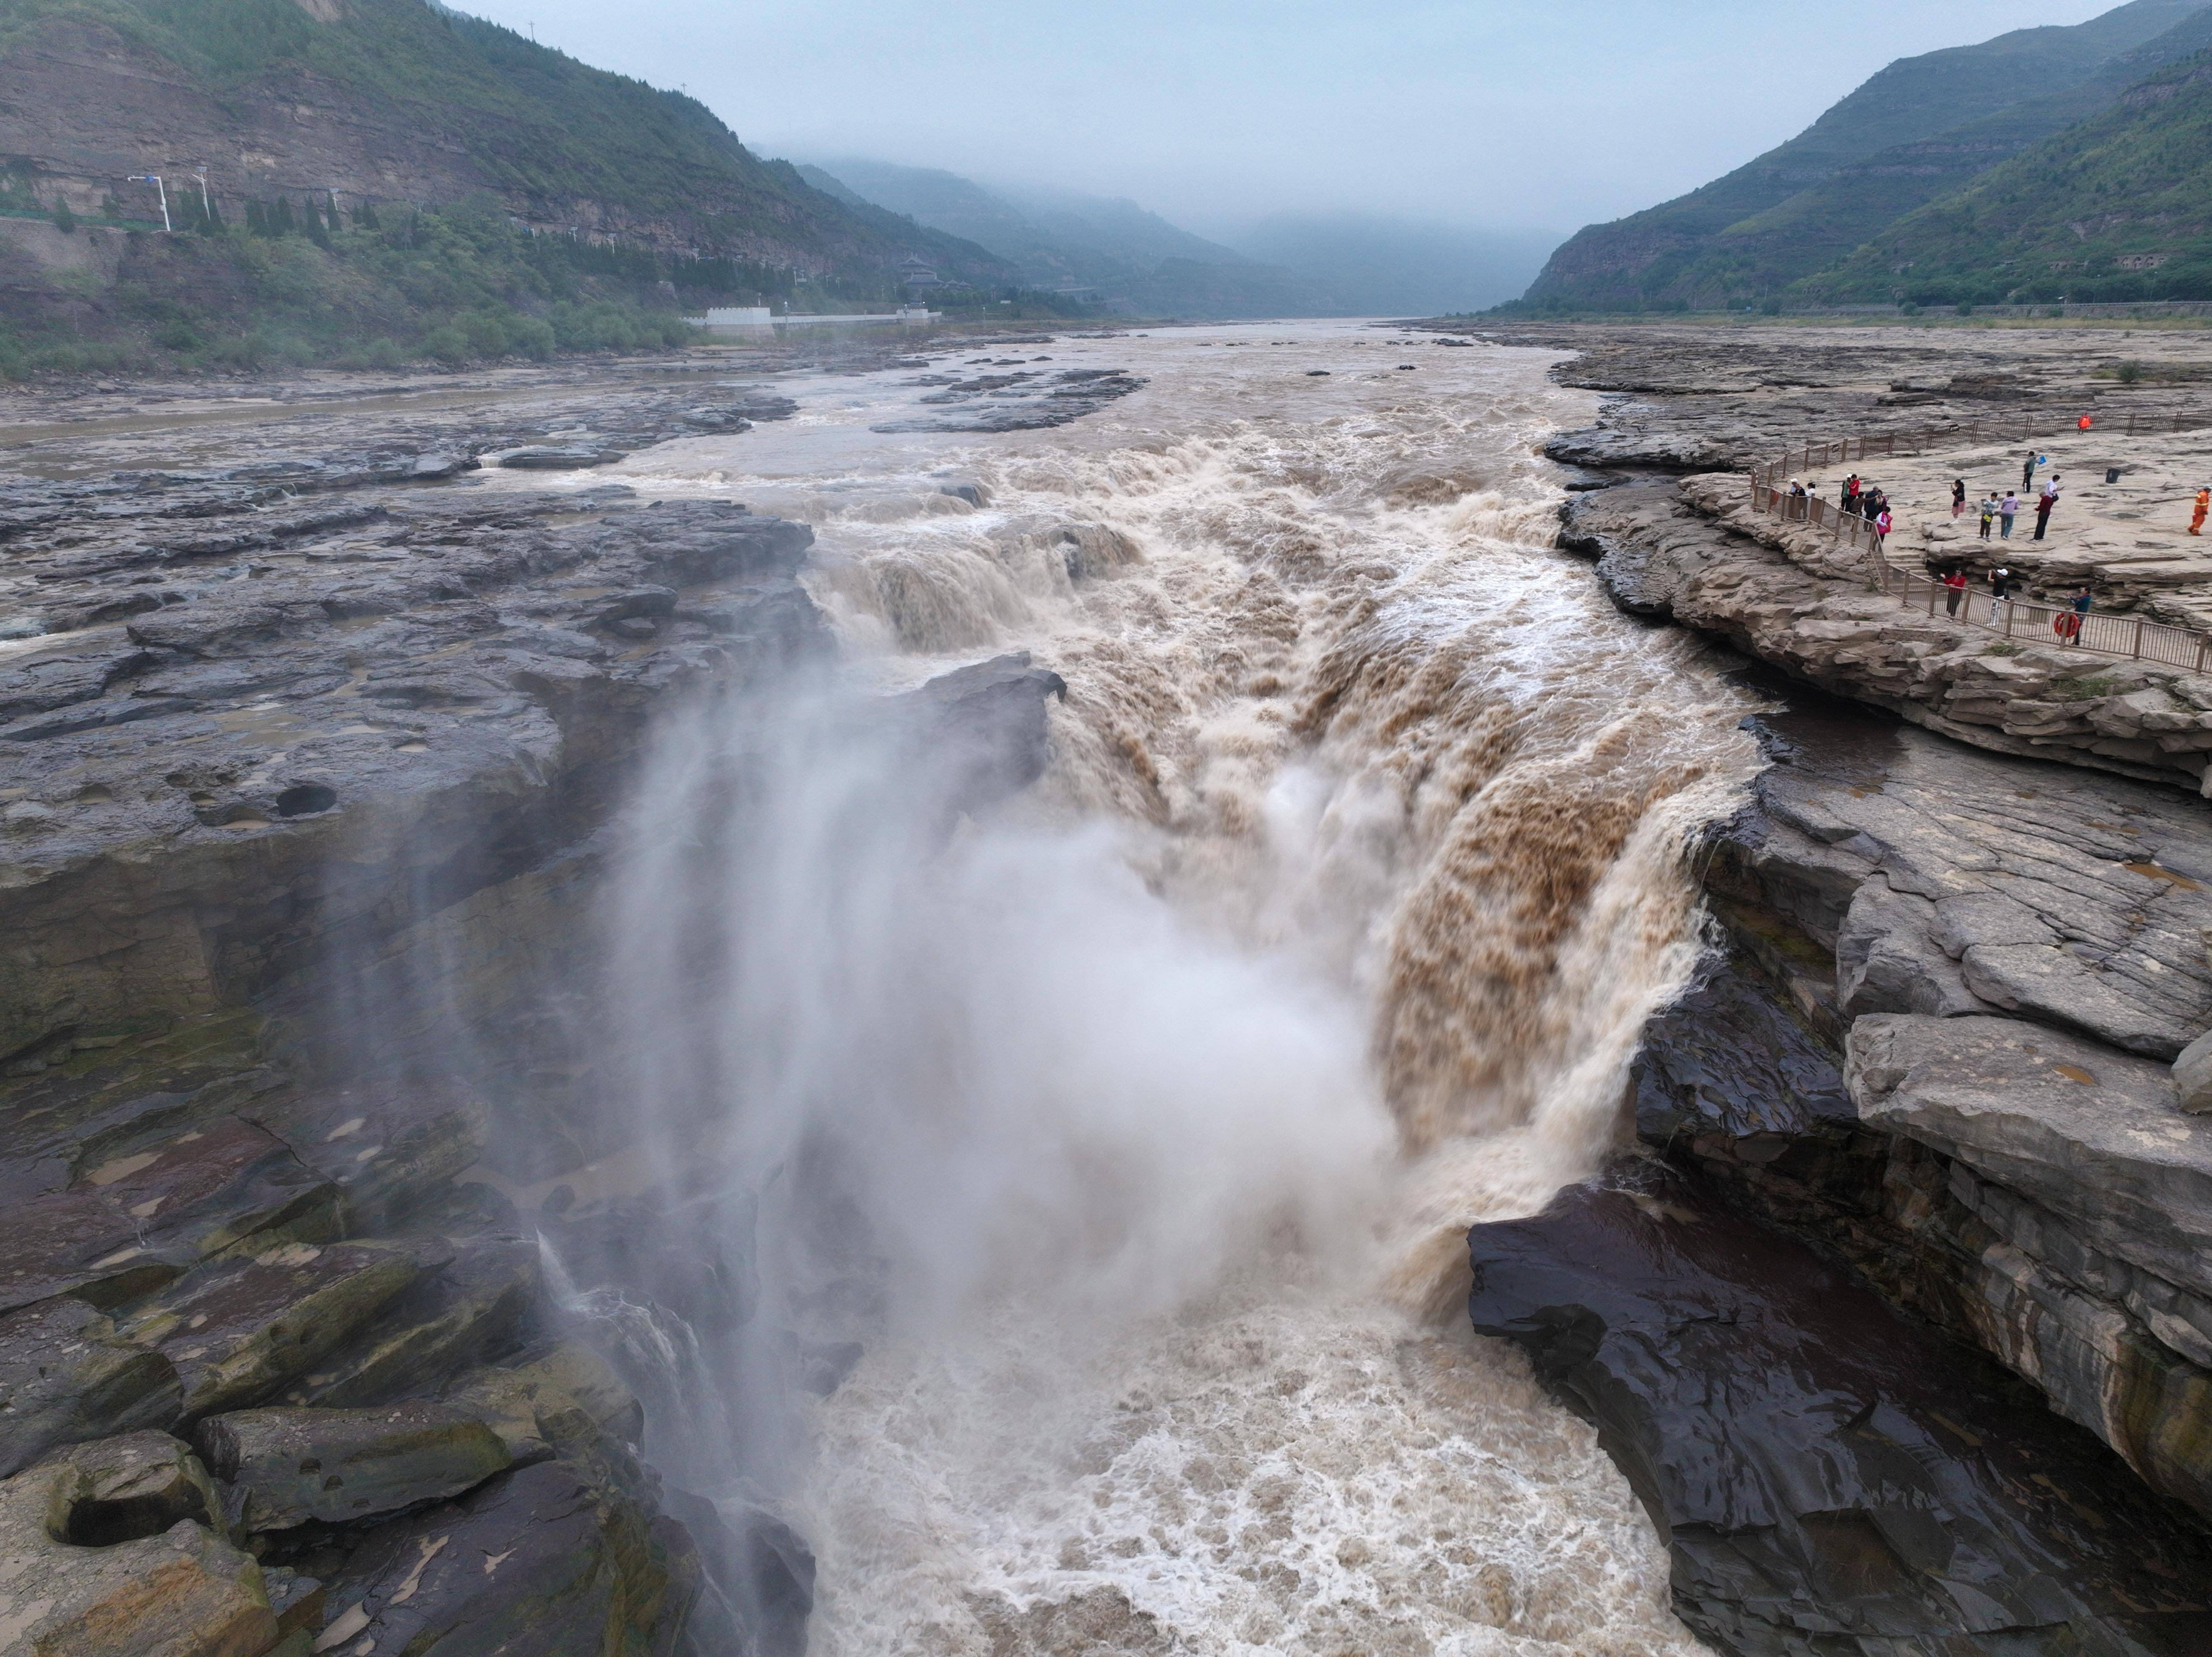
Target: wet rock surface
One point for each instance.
(1829, 1476)
(106, 1551)
(1029, 400)
(287, 1467)
(310, 741)
(1924, 1080)
(1940, 1048)
(1688, 397)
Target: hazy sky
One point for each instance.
(1545, 113)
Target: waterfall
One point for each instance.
(1105, 1152)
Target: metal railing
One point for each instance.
(1811, 509)
(2029, 428)
(2029, 621)
(2032, 621)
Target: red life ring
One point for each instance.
(2066, 624)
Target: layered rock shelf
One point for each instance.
(1917, 1221)
(312, 755)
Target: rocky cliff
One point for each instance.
(1913, 1151)
(311, 760)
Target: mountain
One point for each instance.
(382, 101)
(1062, 240)
(1115, 224)
(379, 180)
(1915, 130)
(1378, 266)
(2117, 206)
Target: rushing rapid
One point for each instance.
(1127, 1134)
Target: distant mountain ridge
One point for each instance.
(1917, 129)
(1062, 240)
(1306, 264)
(1383, 266)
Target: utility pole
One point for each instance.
(204, 206)
(154, 178)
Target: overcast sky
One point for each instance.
(1531, 114)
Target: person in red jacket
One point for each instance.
(1955, 585)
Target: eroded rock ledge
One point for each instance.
(1693, 551)
(306, 785)
(1962, 936)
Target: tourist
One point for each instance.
(2044, 503)
(2068, 623)
(2028, 472)
(2203, 506)
(1989, 513)
(1880, 528)
(2008, 509)
(1958, 497)
(1851, 489)
(1955, 582)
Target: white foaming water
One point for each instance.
(1133, 1131)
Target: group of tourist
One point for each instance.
(1860, 499)
(2066, 623)
(1997, 512)
(2001, 510)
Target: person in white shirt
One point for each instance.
(2044, 504)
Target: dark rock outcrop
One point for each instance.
(1027, 400)
(65, 1377)
(983, 731)
(287, 1467)
(1829, 1476)
(540, 1560)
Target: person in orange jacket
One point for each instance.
(2203, 506)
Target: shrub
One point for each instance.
(530, 337)
(64, 220)
(447, 345)
(485, 332)
(380, 353)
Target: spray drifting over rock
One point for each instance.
(1124, 1134)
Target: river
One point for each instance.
(1128, 1131)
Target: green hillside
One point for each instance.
(390, 181)
(1920, 127)
(2116, 208)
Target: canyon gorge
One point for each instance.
(893, 999)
